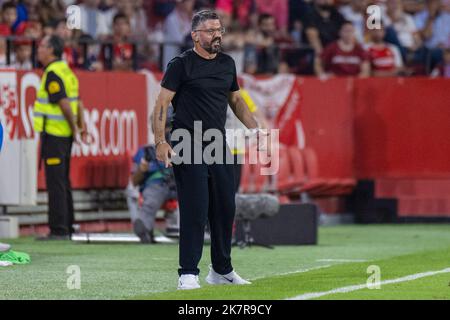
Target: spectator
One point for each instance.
(49, 28)
(106, 5)
(241, 10)
(277, 8)
(51, 11)
(22, 14)
(297, 32)
(31, 29)
(344, 57)
(136, 15)
(176, 27)
(162, 8)
(322, 24)
(261, 53)
(94, 21)
(434, 25)
(23, 53)
(139, 29)
(355, 12)
(70, 54)
(28, 10)
(385, 58)
(233, 41)
(4, 32)
(9, 15)
(153, 47)
(415, 54)
(403, 24)
(89, 60)
(443, 69)
(119, 56)
(413, 6)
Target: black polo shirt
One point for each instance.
(328, 27)
(202, 87)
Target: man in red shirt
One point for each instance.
(121, 53)
(345, 57)
(385, 59)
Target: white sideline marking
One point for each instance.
(341, 260)
(292, 272)
(312, 295)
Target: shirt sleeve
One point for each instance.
(55, 88)
(397, 56)
(234, 85)
(173, 76)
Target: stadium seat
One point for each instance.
(281, 181)
(330, 186)
(252, 181)
(311, 184)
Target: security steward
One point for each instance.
(58, 119)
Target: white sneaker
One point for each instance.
(230, 278)
(188, 282)
(4, 247)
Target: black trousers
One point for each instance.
(205, 192)
(56, 156)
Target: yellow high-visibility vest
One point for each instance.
(51, 113)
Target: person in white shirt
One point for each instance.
(355, 12)
(176, 27)
(93, 21)
(385, 58)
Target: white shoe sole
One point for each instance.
(220, 282)
(193, 288)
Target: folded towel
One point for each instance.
(15, 257)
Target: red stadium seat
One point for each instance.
(252, 181)
(282, 180)
(332, 186)
(312, 184)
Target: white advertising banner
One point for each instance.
(18, 156)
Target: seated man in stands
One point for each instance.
(119, 55)
(385, 58)
(345, 57)
(156, 184)
(443, 69)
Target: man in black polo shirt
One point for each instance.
(322, 24)
(200, 83)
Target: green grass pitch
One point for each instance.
(341, 259)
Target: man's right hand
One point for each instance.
(164, 152)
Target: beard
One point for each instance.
(214, 46)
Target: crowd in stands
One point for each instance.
(322, 37)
